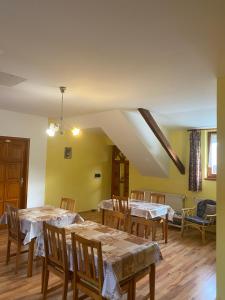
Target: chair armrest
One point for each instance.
(188, 211)
(211, 218)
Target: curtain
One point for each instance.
(195, 172)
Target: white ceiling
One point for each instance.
(160, 55)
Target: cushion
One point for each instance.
(210, 210)
(197, 220)
(201, 207)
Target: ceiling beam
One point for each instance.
(162, 139)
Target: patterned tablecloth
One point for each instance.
(31, 220)
(147, 210)
(123, 254)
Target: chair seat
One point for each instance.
(197, 220)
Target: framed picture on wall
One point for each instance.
(68, 152)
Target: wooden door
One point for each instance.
(13, 172)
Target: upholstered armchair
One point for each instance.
(200, 217)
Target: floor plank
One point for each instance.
(187, 271)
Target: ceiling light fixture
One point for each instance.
(55, 127)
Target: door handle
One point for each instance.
(21, 181)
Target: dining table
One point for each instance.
(142, 209)
(31, 225)
(124, 256)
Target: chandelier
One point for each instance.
(59, 126)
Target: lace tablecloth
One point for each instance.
(144, 209)
(123, 254)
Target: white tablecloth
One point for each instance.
(31, 222)
(144, 209)
(123, 254)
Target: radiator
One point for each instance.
(176, 201)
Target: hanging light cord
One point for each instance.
(62, 89)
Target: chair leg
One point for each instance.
(8, 252)
(75, 289)
(46, 277)
(65, 287)
(163, 229)
(43, 275)
(17, 257)
(30, 258)
(182, 229)
(153, 231)
(203, 235)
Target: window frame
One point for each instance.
(210, 176)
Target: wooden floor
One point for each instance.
(187, 271)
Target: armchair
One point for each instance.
(201, 217)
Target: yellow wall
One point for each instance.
(220, 255)
(75, 177)
(177, 183)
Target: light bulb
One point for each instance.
(50, 132)
(52, 129)
(76, 131)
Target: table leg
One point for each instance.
(131, 289)
(103, 216)
(30, 258)
(166, 228)
(152, 282)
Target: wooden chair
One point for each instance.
(16, 236)
(121, 204)
(68, 204)
(88, 270)
(88, 267)
(116, 219)
(56, 259)
(143, 228)
(137, 195)
(201, 217)
(140, 227)
(159, 199)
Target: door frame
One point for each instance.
(26, 141)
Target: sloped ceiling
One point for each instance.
(130, 133)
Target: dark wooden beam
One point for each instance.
(162, 139)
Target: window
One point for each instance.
(212, 155)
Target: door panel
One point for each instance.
(2, 191)
(12, 191)
(1, 208)
(15, 151)
(13, 171)
(2, 172)
(2, 151)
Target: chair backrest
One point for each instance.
(120, 204)
(140, 227)
(137, 195)
(158, 198)
(88, 262)
(201, 207)
(116, 219)
(13, 222)
(55, 247)
(68, 204)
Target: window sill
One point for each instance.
(210, 179)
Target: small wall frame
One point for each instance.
(67, 152)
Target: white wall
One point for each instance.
(29, 126)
